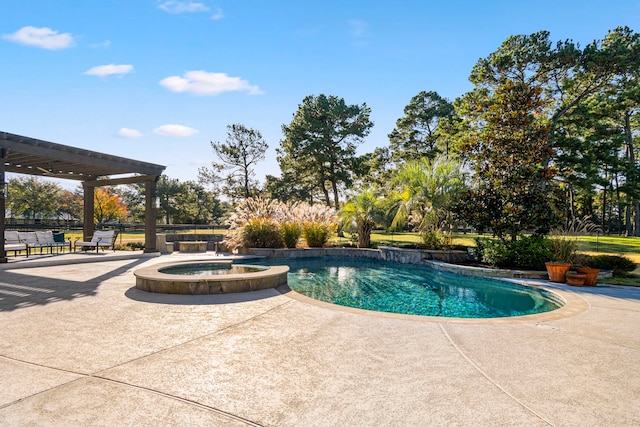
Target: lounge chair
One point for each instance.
(46, 240)
(13, 243)
(100, 239)
(31, 239)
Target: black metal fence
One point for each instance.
(62, 225)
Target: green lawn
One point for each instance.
(604, 245)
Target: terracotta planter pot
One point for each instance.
(557, 271)
(576, 279)
(592, 275)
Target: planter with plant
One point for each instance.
(563, 251)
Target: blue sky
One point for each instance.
(158, 80)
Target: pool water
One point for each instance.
(210, 269)
(409, 289)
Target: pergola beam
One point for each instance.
(120, 181)
(45, 154)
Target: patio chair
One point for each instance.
(100, 239)
(46, 239)
(13, 243)
(31, 239)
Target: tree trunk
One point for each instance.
(572, 202)
(627, 216)
(364, 235)
(167, 216)
(327, 199)
(632, 202)
(336, 199)
(604, 210)
(636, 228)
(247, 191)
(619, 204)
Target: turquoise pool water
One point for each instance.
(408, 289)
(209, 269)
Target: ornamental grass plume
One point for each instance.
(319, 222)
(260, 222)
(564, 244)
(253, 222)
(253, 208)
(289, 216)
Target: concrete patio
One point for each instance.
(79, 345)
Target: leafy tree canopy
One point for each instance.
(33, 197)
(243, 149)
(416, 134)
(319, 144)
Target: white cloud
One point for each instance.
(44, 37)
(218, 15)
(106, 70)
(175, 130)
(204, 83)
(129, 133)
(359, 29)
(182, 7)
(104, 44)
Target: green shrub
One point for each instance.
(478, 251)
(135, 246)
(316, 234)
(262, 233)
(619, 264)
(129, 246)
(528, 252)
(435, 239)
(291, 232)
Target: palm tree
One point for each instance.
(425, 191)
(363, 212)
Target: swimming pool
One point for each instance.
(409, 289)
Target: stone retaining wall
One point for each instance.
(386, 253)
(315, 252)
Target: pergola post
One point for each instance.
(150, 214)
(88, 217)
(3, 195)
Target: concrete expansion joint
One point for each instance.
(82, 376)
(179, 399)
(39, 365)
(491, 380)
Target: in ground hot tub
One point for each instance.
(208, 277)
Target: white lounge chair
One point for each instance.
(46, 240)
(100, 239)
(13, 243)
(30, 238)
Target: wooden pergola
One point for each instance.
(30, 156)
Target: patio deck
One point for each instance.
(79, 345)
